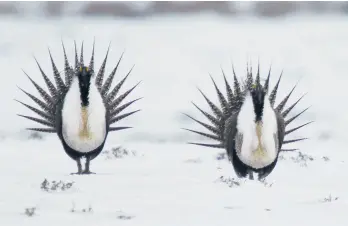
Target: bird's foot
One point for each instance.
(87, 172)
(78, 173)
(83, 172)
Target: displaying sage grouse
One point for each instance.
(248, 125)
(80, 109)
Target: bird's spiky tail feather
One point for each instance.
(57, 92)
(232, 103)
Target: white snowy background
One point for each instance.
(163, 181)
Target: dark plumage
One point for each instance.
(84, 77)
(54, 106)
(223, 122)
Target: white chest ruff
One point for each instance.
(257, 145)
(83, 128)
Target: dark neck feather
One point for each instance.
(258, 97)
(84, 78)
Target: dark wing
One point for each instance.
(281, 129)
(230, 134)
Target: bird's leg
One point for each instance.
(79, 166)
(87, 171)
(251, 175)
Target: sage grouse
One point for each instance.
(248, 125)
(80, 110)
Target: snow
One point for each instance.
(168, 182)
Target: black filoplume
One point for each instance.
(258, 97)
(84, 77)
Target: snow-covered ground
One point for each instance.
(162, 180)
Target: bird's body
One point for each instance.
(248, 126)
(257, 144)
(257, 148)
(83, 128)
(80, 110)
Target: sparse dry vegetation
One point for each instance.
(236, 182)
(35, 136)
(89, 209)
(196, 160)
(330, 198)
(230, 181)
(56, 185)
(123, 216)
(118, 152)
(30, 211)
(221, 156)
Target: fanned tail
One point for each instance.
(46, 109)
(284, 114)
(111, 100)
(233, 102)
(228, 105)
(47, 105)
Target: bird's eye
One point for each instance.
(86, 68)
(80, 69)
